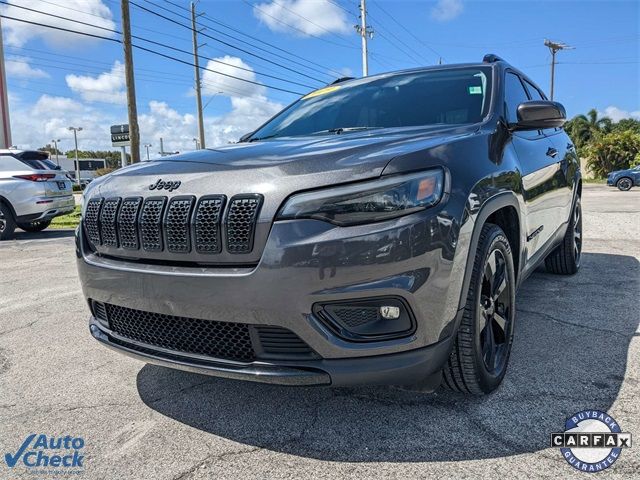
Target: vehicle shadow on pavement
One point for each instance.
(570, 353)
(44, 235)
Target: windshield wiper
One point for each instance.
(257, 139)
(340, 130)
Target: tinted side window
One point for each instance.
(514, 95)
(533, 91)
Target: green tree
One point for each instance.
(51, 149)
(612, 151)
(627, 124)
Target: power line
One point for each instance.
(401, 25)
(160, 44)
(188, 27)
(147, 50)
(233, 29)
(293, 27)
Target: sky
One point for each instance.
(280, 49)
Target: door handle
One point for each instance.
(570, 146)
(552, 152)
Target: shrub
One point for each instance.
(613, 151)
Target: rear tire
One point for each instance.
(478, 362)
(34, 227)
(565, 259)
(7, 223)
(624, 184)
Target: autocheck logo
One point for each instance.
(48, 454)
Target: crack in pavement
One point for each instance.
(211, 459)
(573, 324)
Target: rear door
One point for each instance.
(539, 163)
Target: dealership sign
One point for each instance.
(120, 136)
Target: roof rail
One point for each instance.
(341, 79)
(492, 58)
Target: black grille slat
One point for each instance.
(182, 224)
(128, 223)
(151, 223)
(207, 224)
(241, 222)
(278, 340)
(177, 227)
(108, 216)
(190, 335)
(91, 220)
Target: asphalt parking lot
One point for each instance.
(577, 346)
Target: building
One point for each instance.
(88, 166)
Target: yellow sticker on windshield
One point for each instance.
(322, 91)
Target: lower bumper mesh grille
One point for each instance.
(225, 340)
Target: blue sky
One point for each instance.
(58, 79)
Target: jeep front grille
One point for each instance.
(216, 339)
(177, 225)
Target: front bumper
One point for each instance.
(419, 258)
(393, 369)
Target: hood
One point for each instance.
(287, 164)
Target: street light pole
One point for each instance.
(75, 139)
(147, 145)
(195, 140)
(55, 145)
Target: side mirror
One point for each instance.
(539, 114)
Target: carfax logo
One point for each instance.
(592, 441)
(42, 452)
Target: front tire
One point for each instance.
(7, 223)
(624, 184)
(482, 346)
(565, 259)
(34, 227)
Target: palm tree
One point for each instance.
(596, 124)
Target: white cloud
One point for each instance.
(88, 11)
(20, 67)
(309, 17)
(616, 114)
(212, 83)
(107, 87)
(446, 10)
(35, 125)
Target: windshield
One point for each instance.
(451, 96)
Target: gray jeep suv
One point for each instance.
(373, 232)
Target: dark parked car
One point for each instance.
(624, 179)
(373, 232)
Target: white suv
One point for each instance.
(33, 190)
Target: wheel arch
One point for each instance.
(8, 204)
(502, 209)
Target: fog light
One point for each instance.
(367, 319)
(390, 313)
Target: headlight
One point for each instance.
(370, 201)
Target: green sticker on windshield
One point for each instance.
(475, 90)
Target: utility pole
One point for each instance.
(5, 125)
(196, 66)
(555, 47)
(147, 145)
(364, 32)
(75, 139)
(134, 132)
(55, 145)
(123, 157)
